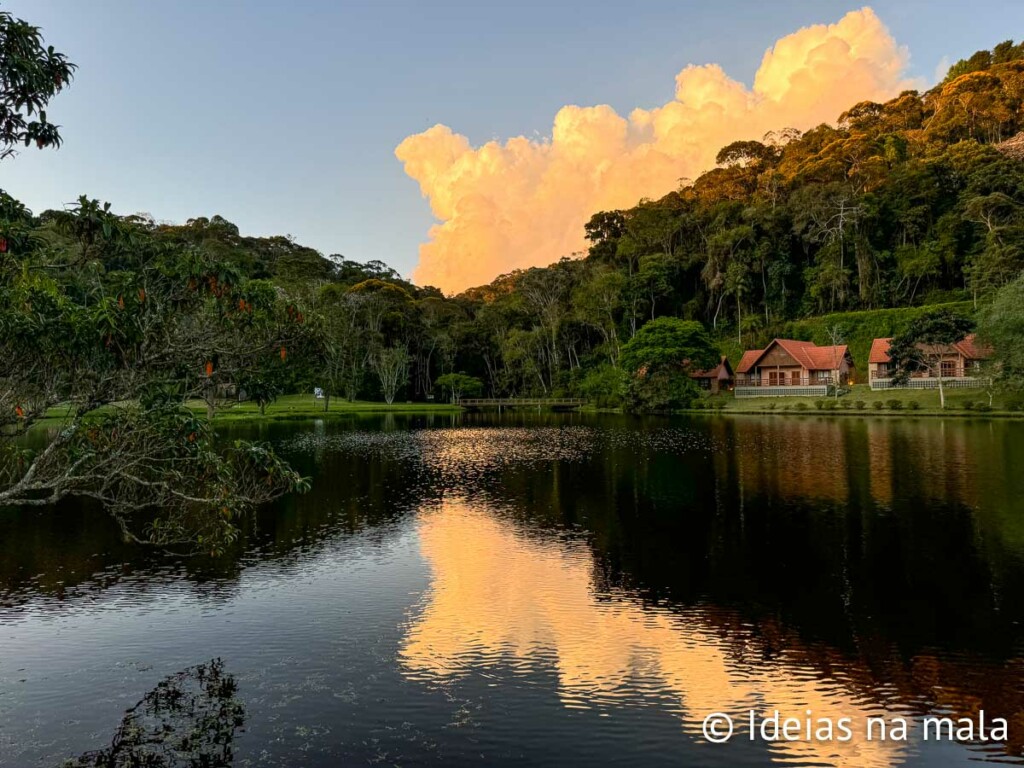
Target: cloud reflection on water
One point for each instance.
(501, 597)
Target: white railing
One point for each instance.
(789, 390)
(932, 382)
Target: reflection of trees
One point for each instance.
(189, 721)
(74, 552)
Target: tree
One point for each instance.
(31, 74)
(344, 344)
(392, 367)
(925, 344)
(598, 302)
(120, 352)
(459, 384)
(836, 338)
(261, 388)
(1001, 325)
(660, 356)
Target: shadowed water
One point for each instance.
(555, 590)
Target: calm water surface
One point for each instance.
(553, 590)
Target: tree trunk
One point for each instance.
(739, 322)
(209, 397)
(942, 392)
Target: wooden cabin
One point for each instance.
(960, 361)
(716, 379)
(789, 363)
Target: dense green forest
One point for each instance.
(915, 202)
(856, 228)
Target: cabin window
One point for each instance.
(948, 368)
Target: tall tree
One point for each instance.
(926, 345)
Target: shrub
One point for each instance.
(914, 405)
(878, 405)
(819, 404)
(984, 407)
(894, 405)
(801, 406)
(606, 386)
(968, 405)
(697, 404)
(771, 406)
(1013, 405)
(718, 404)
(831, 405)
(860, 405)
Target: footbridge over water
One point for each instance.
(539, 403)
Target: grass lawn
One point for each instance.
(303, 406)
(286, 407)
(878, 402)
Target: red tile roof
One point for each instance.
(825, 358)
(972, 349)
(714, 373)
(806, 353)
(879, 351)
(750, 357)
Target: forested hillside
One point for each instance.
(914, 202)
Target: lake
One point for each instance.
(547, 589)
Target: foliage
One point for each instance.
(660, 356)
(1001, 324)
(392, 367)
(925, 344)
(459, 384)
(669, 343)
(606, 386)
(31, 74)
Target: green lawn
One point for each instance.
(287, 407)
(301, 406)
(305, 406)
(927, 400)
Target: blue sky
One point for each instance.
(283, 118)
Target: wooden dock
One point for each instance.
(540, 403)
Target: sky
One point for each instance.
(285, 118)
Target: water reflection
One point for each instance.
(500, 597)
(188, 720)
(642, 573)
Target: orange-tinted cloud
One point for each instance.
(523, 203)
